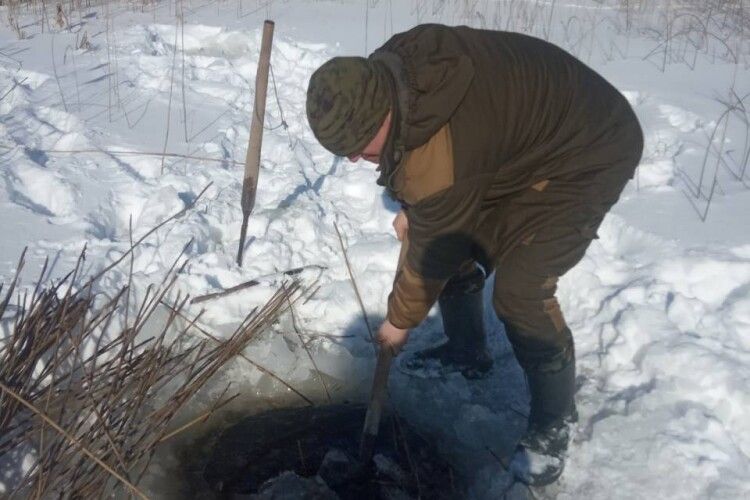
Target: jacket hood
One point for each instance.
(427, 87)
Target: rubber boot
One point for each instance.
(540, 456)
(462, 310)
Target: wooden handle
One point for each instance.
(379, 390)
(252, 158)
(377, 401)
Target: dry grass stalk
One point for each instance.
(57, 77)
(72, 439)
(199, 419)
(307, 351)
(137, 153)
(171, 86)
(259, 367)
(114, 399)
(16, 83)
(109, 388)
(13, 19)
(354, 284)
(182, 79)
(60, 18)
(396, 416)
(84, 43)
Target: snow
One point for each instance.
(659, 307)
(39, 190)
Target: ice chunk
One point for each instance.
(473, 421)
(290, 486)
(337, 468)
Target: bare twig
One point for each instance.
(16, 83)
(309, 354)
(354, 284)
(138, 153)
(199, 419)
(182, 80)
(54, 70)
(259, 367)
(171, 86)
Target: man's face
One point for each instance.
(372, 151)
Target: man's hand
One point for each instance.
(401, 225)
(392, 337)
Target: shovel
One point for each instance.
(379, 390)
(375, 408)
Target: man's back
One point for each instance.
(529, 109)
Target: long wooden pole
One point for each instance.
(252, 160)
(379, 391)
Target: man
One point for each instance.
(505, 151)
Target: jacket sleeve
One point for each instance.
(440, 243)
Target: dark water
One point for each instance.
(261, 447)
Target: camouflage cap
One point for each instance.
(347, 101)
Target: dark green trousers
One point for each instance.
(527, 274)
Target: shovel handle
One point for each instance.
(379, 386)
(377, 400)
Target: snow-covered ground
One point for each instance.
(660, 305)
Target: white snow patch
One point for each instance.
(40, 190)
